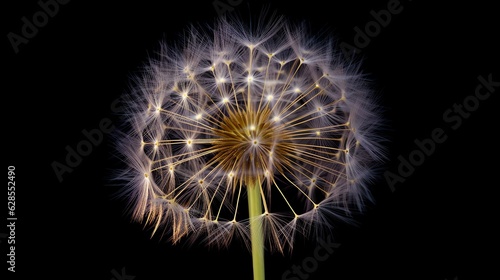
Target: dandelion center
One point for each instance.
(244, 141)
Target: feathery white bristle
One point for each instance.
(266, 103)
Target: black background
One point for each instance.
(438, 224)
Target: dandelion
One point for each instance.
(251, 132)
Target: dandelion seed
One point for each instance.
(265, 114)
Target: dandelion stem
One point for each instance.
(256, 234)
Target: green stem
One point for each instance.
(256, 231)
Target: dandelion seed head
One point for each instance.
(239, 105)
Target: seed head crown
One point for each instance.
(242, 106)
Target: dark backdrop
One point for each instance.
(437, 224)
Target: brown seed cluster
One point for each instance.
(250, 143)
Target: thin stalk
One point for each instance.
(256, 231)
